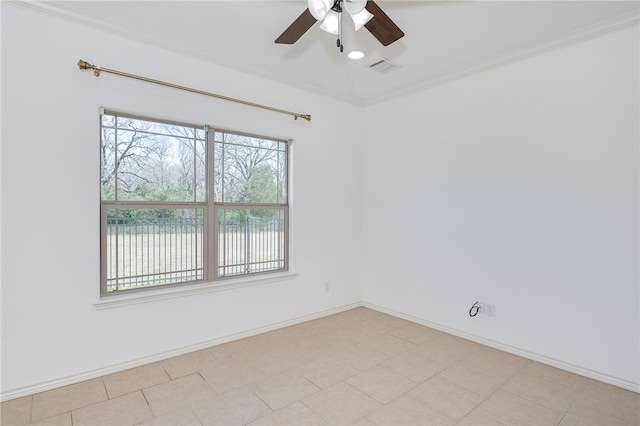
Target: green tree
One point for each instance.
(261, 187)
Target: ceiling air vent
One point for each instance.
(383, 65)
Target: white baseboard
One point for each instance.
(81, 377)
(76, 378)
(616, 381)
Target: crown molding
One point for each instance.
(586, 33)
(73, 15)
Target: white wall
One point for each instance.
(50, 200)
(519, 187)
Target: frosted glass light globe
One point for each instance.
(354, 6)
(331, 22)
(319, 8)
(360, 19)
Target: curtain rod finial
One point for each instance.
(305, 116)
(84, 65)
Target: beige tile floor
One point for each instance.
(356, 367)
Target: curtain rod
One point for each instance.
(84, 65)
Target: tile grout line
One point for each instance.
(535, 402)
(204, 380)
(85, 406)
(31, 411)
(148, 405)
(165, 370)
(610, 414)
(555, 381)
(480, 368)
(197, 416)
(455, 384)
(565, 414)
(263, 401)
(400, 375)
(272, 410)
(104, 385)
(315, 412)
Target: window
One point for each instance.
(250, 203)
(183, 203)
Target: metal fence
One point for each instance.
(250, 245)
(149, 251)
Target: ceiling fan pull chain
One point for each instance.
(340, 46)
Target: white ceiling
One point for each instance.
(443, 40)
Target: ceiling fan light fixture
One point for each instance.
(354, 6)
(331, 22)
(319, 8)
(360, 19)
(372, 17)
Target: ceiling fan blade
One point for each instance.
(297, 28)
(381, 26)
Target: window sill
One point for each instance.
(191, 290)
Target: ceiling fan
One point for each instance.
(363, 13)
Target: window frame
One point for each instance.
(210, 230)
(222, 205)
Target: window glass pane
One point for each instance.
(218, 172)
(250, 170)
(159, 128)
(107, 164)
(281, 176)
(250, 141)
(108, 120)
(150, 247)
(177, 179)
(236, 165)
(201, 171)
(147, 161)
(250, 241)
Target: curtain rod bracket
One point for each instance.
(84, 65)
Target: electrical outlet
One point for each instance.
(327, 286)
(489, 309)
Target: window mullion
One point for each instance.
(103, 250)
(211, 223)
